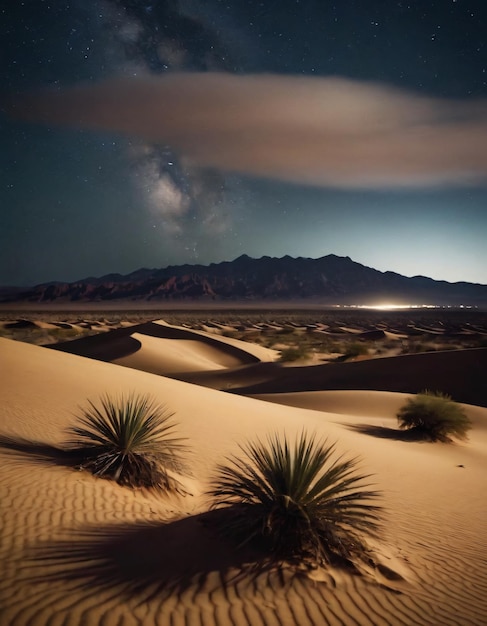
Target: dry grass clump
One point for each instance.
(434, 416)
(355, 349)
(293, 353)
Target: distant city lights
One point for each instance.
(389, 306)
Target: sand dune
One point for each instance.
(460, 373)
(193, 351)
(242, 367)
(169, 356)
(164, 349)
(79, 550)
(457, 373)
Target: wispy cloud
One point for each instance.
(319, 131)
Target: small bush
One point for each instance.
(356, 349)
(416, 347)
(434, 416)
(65, 332)
(293, 353)
(129, 441)
(295, 501)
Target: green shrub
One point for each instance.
(293, 353)
(129, 441)
(434, 416)
(64, 333)
(356, 349)
(295, 501)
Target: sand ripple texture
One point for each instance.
(80, 551)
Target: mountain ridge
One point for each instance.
(330, 278)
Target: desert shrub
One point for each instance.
(434, 416)
(295, 501)
(63, 333)
(130, 441)
(356, 349)
(335, 347)
(293, 353)
(415, 347)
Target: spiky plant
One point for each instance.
(296, 501)
(434, 416)
(128, 440)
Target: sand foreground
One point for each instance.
(80, 550)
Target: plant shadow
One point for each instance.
(146, 560)
(39, 452)
(383, 432)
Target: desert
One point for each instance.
(243, 313)
(80, 549)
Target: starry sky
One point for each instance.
(146, 134)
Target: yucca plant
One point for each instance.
(129, 440)
(296, 501)
(434, 416)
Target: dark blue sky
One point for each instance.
(75, 203)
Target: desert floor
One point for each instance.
(80, 550)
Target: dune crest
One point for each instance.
(189, 351)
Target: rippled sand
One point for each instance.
(80, 550)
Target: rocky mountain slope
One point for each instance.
(329, 279)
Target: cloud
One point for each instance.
(319, 131)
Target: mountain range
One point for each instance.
(329, 280)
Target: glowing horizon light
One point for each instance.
(388, 306)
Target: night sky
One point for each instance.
(300, 127)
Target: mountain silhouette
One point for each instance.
(330, 279)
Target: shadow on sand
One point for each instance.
(148, 560)
(386, 433)
(151, 560)
(39, 452)
(145, 559)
